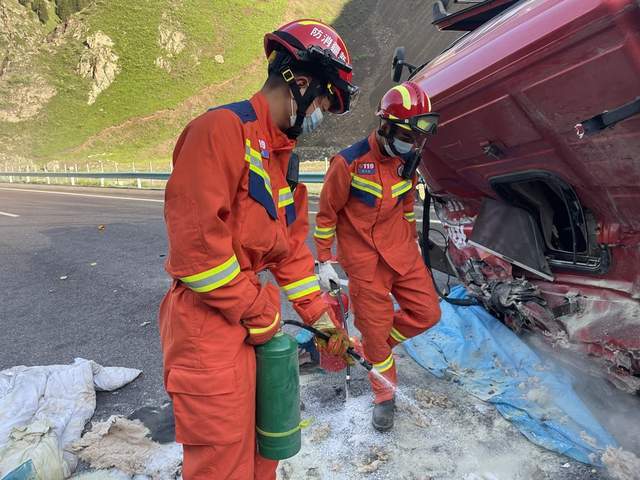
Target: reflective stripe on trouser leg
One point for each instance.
(384, 389)
(373, 311)
(407, 325)
(376, 350)
(384, 365)
(419, 304)
(396, 337)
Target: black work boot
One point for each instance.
(383, 415)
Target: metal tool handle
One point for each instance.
(336, 290)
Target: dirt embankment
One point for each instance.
(372, 31)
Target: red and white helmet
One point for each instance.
(409, 107)
(319, 47)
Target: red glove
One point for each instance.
(263, 326)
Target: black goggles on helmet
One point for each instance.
(326, 65)
(343, 102)
(426, 124)
(324, 58)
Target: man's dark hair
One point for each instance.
(284, 59)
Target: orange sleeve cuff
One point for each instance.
(310, 310)
(324, 253)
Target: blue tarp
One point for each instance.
(475, 349)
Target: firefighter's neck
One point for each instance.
(279, 102)
(381, 141)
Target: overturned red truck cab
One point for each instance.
(535, 169)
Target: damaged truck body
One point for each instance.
(535, 170)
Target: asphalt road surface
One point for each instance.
(82, 276)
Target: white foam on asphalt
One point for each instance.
(461, 438)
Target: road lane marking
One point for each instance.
(7, 214)
(311, 212)
(154, 200)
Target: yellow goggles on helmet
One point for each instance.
(426, 124)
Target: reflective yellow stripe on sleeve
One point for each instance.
(258, 331)
(302, 287)
(324, 232)
(213, 278)
(410, 216)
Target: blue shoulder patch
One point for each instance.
(244, 110)
(356, 150)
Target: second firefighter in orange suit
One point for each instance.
(367, 203)
(232, 211)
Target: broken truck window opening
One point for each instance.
(568, 230)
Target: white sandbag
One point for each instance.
(63, 396)
(107, 379)
(38, 443)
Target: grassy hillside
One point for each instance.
(138, 116)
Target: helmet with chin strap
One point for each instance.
(315, 48)
(407, 106)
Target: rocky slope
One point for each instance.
(117, 81)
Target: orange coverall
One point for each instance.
(230, 214)
(369, 207)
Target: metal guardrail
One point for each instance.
(305, 177)
(308, 177)
(105, 175)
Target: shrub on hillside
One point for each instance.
(65, 8)
(40, 7)
(24, 3)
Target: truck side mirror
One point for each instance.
(398, 63)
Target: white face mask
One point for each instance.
(310, 122)
(400, 147)
(387, 149)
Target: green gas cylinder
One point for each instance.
(278, 398)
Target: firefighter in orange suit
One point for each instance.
(367, 202)
(233, 208)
